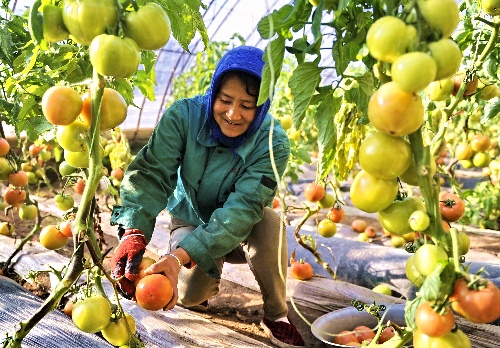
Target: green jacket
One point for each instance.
(183, 170)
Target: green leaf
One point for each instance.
(327, 136)
(491, 110)
(35, 22)
(303, 83)
(282, 20)
(273, 58)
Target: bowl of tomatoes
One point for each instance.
(349, 327)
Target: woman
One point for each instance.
(208, 162)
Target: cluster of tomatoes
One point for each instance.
(362, 334)
(475, 152)
(94, 23)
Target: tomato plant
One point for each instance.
(61, 105)
(480, 304)
(92, 314)
(115, 56)
(149, 26)
(52, 238)
(452, 207)
(433, 322)
(301, 270)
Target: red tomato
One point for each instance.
(386, 335)
(61, 105)
(19, 178)
(432, 323)
(153, 292)
(336, 214)
(117, 173)
(478, 306)
(345, 337)
(363, 333)
(370, 231)
(52, 238)
(4, 147)
(314, 192)
(14, 197)
(301, 270)
(79, 187)
(359, 225)
(452, 207)
(276, 203)
(65, 228)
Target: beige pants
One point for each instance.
(260, 251)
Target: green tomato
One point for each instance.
(114, 56)
(86, 19)
(382, 289)
(5, 166)
(452, 339)
(447, 56)
(372, 194)
(395, 218)
(463, 243)
(54, 29)
(32, 178)
(441, 15)
(78, 159)
(28, 212)
(491, 7)
(329, 4)
(66, 169)
(116, 333)
(385, 156)
(440, 90)
(410, 176)
(388, 38)
(327, 201)
(412, 273)
(72, 137)
(92, 314)
(481, 159)
(64, 202)
(428, 257)
(327, 228)
(6, 229)
(414, 71)
(149, 26)
(419, 220)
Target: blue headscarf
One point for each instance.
(243, 58)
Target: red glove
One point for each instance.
(126, 259)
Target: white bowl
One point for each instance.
(348, 318)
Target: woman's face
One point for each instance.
(234, 109)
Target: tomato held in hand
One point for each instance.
(114, 56)
(314, 192)
(85, 19)
(432, 323)
(479, 306)
(149, 26)
(145, 263)
(452, 207)
(153, 292)
(301, 270)
(92, 314)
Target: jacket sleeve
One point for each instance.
(152, 176)
(232, 223)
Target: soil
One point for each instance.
(236, 307)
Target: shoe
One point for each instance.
(202, 307)
(282, 334)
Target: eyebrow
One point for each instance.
(244, 100)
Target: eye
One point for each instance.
(224, 101)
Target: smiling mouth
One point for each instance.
(231, 123)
